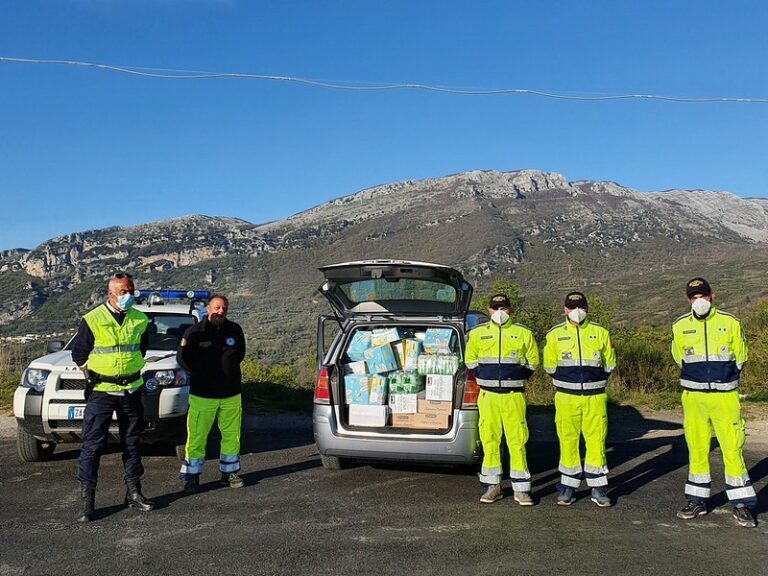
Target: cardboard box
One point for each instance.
(361, 341)
(408, 351)
(439, 340)
(403, 403)
(378, 389)
(421, 421)
(384, 336)
(439, 387)
(425, 406)
(357, 388)
(368, 415)
(356, 368)
(381, 359)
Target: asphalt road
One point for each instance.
(294, 517)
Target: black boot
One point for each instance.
(192, 484)
(135, 499)
(87, 503)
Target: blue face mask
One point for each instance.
(126, 301)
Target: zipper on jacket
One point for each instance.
(706, 353)
(498, 360)
(581, 368)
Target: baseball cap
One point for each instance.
(499, 301)
(698, 286)
(576, 300)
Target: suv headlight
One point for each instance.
(152, 380)
(34, 378)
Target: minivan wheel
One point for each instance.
(333, 462)
(30, 449)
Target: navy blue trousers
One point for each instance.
(96, 421)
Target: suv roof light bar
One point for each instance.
(174, 294)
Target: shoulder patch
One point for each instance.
(183, 342)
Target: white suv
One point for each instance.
(49, 403)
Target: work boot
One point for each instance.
(492, 494)
(88, 502)
(566, 497)
(192, 484)
(232, 480)
(744, 517)
(600, 498)
(135, 499)
(693, 509)
(524, 498)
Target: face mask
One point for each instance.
(125, 301)
(701, 306)
(577, 315)
(499, 317)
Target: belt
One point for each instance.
(121, 380)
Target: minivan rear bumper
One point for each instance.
(461, 445)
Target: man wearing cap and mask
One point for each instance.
(579, 356)
(709, 347)
(109, 348)
(502, 355)
(211, 351)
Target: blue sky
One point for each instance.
(82, 148)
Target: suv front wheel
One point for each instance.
(30, 449)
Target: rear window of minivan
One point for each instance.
(382, 289)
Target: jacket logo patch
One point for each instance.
(486, 337)
(688, 352)
(689, 331)
(563, 338)
(566, 355)
(596, 355)
(723, 349)
(230, 341)
(205, 344)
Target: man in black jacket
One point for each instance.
(211, 351)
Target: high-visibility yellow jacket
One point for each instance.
(579, 357)
(117, 347)
(710, 351)
(501, 356)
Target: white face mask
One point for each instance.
(701, 306)
(577, 315)
(499, 317)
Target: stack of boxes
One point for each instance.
(391, 371)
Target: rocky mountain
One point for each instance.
(538, 229)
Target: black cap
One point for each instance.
(499, 301)
(576, 300)
(698, 286)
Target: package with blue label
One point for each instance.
(384, 336)
(439, 340)
(407, 351)
(357, 388)
(377, 389)
(381, 359)
(361, 341)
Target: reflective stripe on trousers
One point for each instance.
(586, 416)
(202, 413)
(703, 411)
(503, 414)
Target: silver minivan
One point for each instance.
(394, 299)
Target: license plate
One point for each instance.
(75, 412)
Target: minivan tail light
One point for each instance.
(322, 387)
(471, 392)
